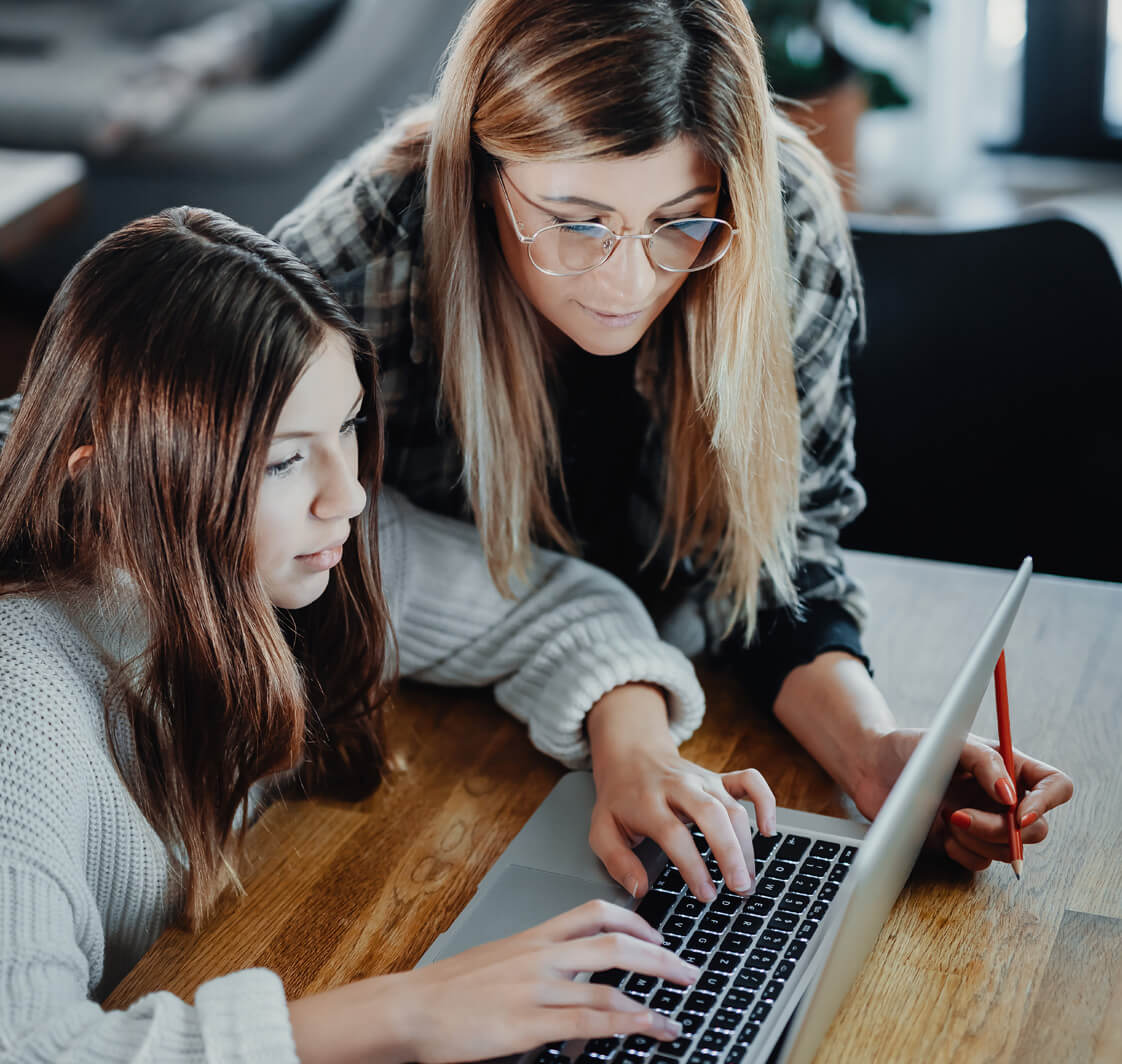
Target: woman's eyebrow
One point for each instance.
(582, 202)
(304, 434)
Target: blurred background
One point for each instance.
(978, 144)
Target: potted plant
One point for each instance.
(823, 84)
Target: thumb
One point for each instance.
(611, 843)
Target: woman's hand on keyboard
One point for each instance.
(511, 995)
(970, 827)
(644, 789)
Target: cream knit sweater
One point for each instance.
(86, 885)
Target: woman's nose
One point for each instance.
(629, 276)
(341, 495)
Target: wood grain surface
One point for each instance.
(968, 968)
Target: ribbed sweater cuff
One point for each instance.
(244, 1017)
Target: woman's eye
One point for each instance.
(351, 424)
(577, 222)
(278, 469)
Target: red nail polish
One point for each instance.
(960, 818)
(1027, 819)
(1005, 792)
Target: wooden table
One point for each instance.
(39, 193)
(978, 968)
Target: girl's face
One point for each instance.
(311, 490)
(608, 309)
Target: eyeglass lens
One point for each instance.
(691, 244)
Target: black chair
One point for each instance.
(988, 395)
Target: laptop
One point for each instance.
(776, 965)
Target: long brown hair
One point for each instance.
(528, 80)
(171, 347)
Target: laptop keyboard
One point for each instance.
(747, 950)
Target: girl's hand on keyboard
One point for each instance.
(511, 995)
(645, 789)
(970, 827)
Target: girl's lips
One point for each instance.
(613, 321)
(322, 559)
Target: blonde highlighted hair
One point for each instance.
(533, 80)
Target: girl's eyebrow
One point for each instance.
(581, 201)
(305, 435)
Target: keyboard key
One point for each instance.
(700, 1001)
(762, 845)
(814, 866)
(738, 1000)
(641, 984)
(689, 907)
(796, 949)
(654, 906)
(747, 1033)
(782, 869)
(714, 982)
(772, 990)
(587, 1058)
(726, 903)
(678, 1047)
(759, 906)
(714, 1041)
(817, 910)
(724, 962)
(825, 848)
(715, 872)
(630, 1056)
(550, 1056)
(759, 1013)
(806, 930)
(690, 1021)
(602, 1047)
(747, 925)
(639, 1043)
(663, 1060)
(735, 1053)
(750, 979)
(769, 887)
(783, 921)
(666, 1001)
(736, 943)
(703, 941)
(637, 995)
(672, 942)
(793, 902)
(804, 884)
(726, 1019)
(793, 848)
(775, 940)
(784, 969)
(670, 880)
(692, 956)
(700, 841)
(848, 854)
(609, 977)
(715, 922)
(761, 958)
(828, 891)
(679, 925)
(837, 873)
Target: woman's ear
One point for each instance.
(79, 459)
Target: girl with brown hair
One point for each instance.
(198, 581)
(615, 301)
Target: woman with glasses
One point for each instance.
(614, 298)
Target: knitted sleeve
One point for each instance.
(571, 633)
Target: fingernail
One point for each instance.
(960, 818)
(1027, 819)
(671, 1027)
(708, 893)
(740, 884)
(1005, 791)
(632, 887)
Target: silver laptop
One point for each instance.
(775, 966)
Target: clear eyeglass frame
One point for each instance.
(610, 239)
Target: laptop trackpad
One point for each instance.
(520, 898)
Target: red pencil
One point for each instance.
(1005, 738)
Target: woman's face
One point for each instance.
(310, 491)
(608, 309)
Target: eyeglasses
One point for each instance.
(564, 249)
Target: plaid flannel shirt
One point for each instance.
(362, 230)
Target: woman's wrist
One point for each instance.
(833, 708)
(626, 717)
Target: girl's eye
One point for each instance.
(278, 469)
(351, 424)
(574, 221)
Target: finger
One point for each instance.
(975, 844)
(616, 950)
(713, 816)
(989, 829)
(677, 843)
(594, 918)
(750, 784)
(1046, 788)
(559, 1024)
(987, 766)
(610, 843)
(967, 858)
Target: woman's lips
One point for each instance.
(613, 321)
(321, 560)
